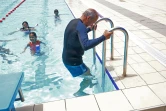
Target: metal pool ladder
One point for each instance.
(112, 49)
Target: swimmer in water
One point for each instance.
(25, 28)
(34, 44)
(56, 12)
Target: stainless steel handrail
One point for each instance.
(94, 35)
(104, 50)
(112, 39)
(125, 48)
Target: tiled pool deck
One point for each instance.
(144, 88)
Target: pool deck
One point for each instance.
(144, 88)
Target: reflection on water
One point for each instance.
(41, 79)
(5, 53)
(57, 21)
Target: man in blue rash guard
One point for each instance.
(76, 41)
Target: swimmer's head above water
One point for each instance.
(32, 36)
(25, 25)
(56, 12)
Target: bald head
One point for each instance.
(92, 13)
(89, 17)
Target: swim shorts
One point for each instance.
(78, 70)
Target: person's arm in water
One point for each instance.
(7, 40)
(29, 28)
(25, 48)
(32, 28)
(14, 31)
(42, 43)
(26, 29)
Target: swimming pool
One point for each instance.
(46, 78)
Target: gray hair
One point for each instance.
(91, 12)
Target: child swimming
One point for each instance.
(56, 12)
(25, 28)
(34, 44)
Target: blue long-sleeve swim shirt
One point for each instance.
(76, 41)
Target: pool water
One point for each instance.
(46, 78)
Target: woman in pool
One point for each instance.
(25, 28)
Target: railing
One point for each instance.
(125, 48)
(94, 35)
(112, 48)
